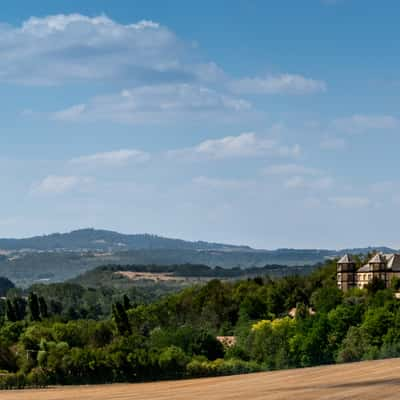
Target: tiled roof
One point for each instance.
(346, 259)
(394, 263)
(365, 268)
(377, 259)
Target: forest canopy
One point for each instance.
(69, 334)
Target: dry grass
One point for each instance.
(371, 380)
(150, 276)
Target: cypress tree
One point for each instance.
(10, 311)
(127, 303)
(43, 308)
(121, 319)
(19, 305)
(34, 307)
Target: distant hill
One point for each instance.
(26, 268)
(123, 276)
(62, 256)
(108, 241)
(103, 240)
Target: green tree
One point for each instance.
(43, 307)
(127, 303)
(354, 346)
(121, 319)
(10, 311)
(173, 361)
(34, 308)
(326, 299)
(19, 306)
(375, 285)
(376, 323)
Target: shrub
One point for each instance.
(173, 361)
(199, 368)
(12, 381)
(37, 378)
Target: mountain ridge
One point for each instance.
(62, 256)
(91, 239)
(107, 240)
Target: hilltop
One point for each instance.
(90, 239)
(104, 240)
(61, 256)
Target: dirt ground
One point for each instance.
(371, 380)
(138, 276)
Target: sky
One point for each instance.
(266, 123)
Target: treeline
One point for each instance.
(27, 268)
(71, 301)
(200, 270)
(176, 336)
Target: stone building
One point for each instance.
(382, 266)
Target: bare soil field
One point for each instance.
(371, 380)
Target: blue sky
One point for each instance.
(273, 124)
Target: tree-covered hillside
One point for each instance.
(60, 334)
(97, 239)
(62, 256)
(28, 268)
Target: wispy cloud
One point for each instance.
(55, 185)
(69, 114)
(350, 202)
(332, 143)
(290, 169)
(359, 123)
(302, 182)
(278, 84)
(61, 48)
(297, 176)
(218, 183)
(241, 146)
(156, 104)
(112, 158)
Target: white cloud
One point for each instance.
(312, 202)
(333, 143)
(384, 187)
(296, 176)
(243, 145)
(155, 104)
(301, 182)
(164, 77)
(359, 123)
(70, 114)
(290, 169)
(350, 202)
(112, 158)
(61, 48)
(54, 184)
(278, 84)
(217, 183)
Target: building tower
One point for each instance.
(378, 266)
(346, 273)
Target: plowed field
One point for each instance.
(371, 380)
